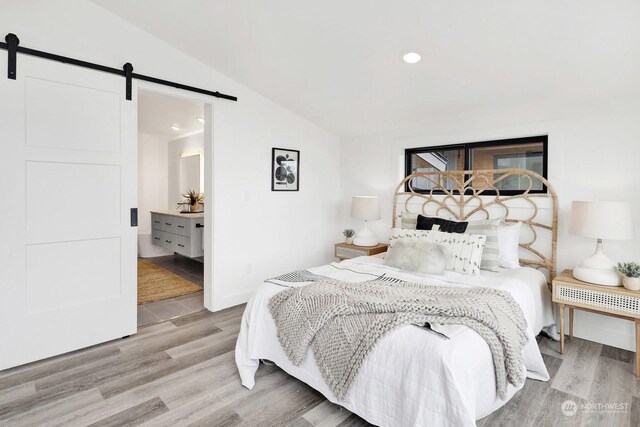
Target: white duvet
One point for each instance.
(413, 377)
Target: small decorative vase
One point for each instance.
(194, 208)
(349, 240)
(631, 283)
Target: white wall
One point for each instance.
(593, 155)
(152, 178)
(191, 144)
(257, 233)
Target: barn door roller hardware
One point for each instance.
(12, 46)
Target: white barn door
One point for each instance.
(68, 156)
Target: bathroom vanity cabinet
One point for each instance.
(181, 233)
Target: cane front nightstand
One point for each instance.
(615, 301)
(344, 251)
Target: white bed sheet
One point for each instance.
(412, 377)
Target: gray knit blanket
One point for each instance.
(343, 321)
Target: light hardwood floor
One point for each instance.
(182, 372)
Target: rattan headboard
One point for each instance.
(474, 195)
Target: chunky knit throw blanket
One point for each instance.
(343, 321)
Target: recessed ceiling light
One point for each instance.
(174, 127)
(200, 119)
(411, 57)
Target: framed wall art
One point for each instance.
(285, 169)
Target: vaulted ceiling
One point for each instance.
(339, 63)
(168, 117)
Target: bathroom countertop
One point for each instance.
(199, 215)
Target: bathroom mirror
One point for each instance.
(190, 173)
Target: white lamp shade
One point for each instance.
(365, 207)
(602, 220)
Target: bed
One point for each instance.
(415, 377)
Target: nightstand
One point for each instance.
(345, 251)
(614, 301)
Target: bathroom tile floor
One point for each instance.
(184, 267)
(159, 311)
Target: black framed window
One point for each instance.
(523, 153)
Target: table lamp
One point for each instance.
(366, 208)
(600, 220)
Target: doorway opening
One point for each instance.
(171, 206)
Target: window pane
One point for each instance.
(435, 160)
(521, 156)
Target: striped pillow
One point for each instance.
(408, 221)
(489, 228)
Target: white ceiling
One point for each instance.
(338, 63)
(157, 113)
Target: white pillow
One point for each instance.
(466, 249)
(420, 255)
(489, 228)
(508, 240)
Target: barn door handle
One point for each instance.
(12, 49)
(134, 217)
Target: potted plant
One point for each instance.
(631, 273)
(193, 198)
(348, 234)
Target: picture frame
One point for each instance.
(285, 169)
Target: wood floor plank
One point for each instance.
(17, 392)
(287, 402)
(167, 367)
(635, 412)
(170, 339)
(193, 318)
(271, 377)
(77, 357)
(354, 421)
(326, 414)
(60, 365)
(552, 415)
(120, 368)
(524, 406)
(223, 417)
(300, 422)
(176, 383)
(576, 374)
(195, 384)
(202, 343)
(619, 354)
(550, 347)
(613, 384)
(137, 415)
(234, 313)
(194, 410)
(35, 411)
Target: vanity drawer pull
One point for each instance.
(182, 246)
(167, 223)
(156, 238)
(181, 226)
(156, 222)
(168, 241)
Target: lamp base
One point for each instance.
(596, 276)
(365, 238)
(598, 269)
